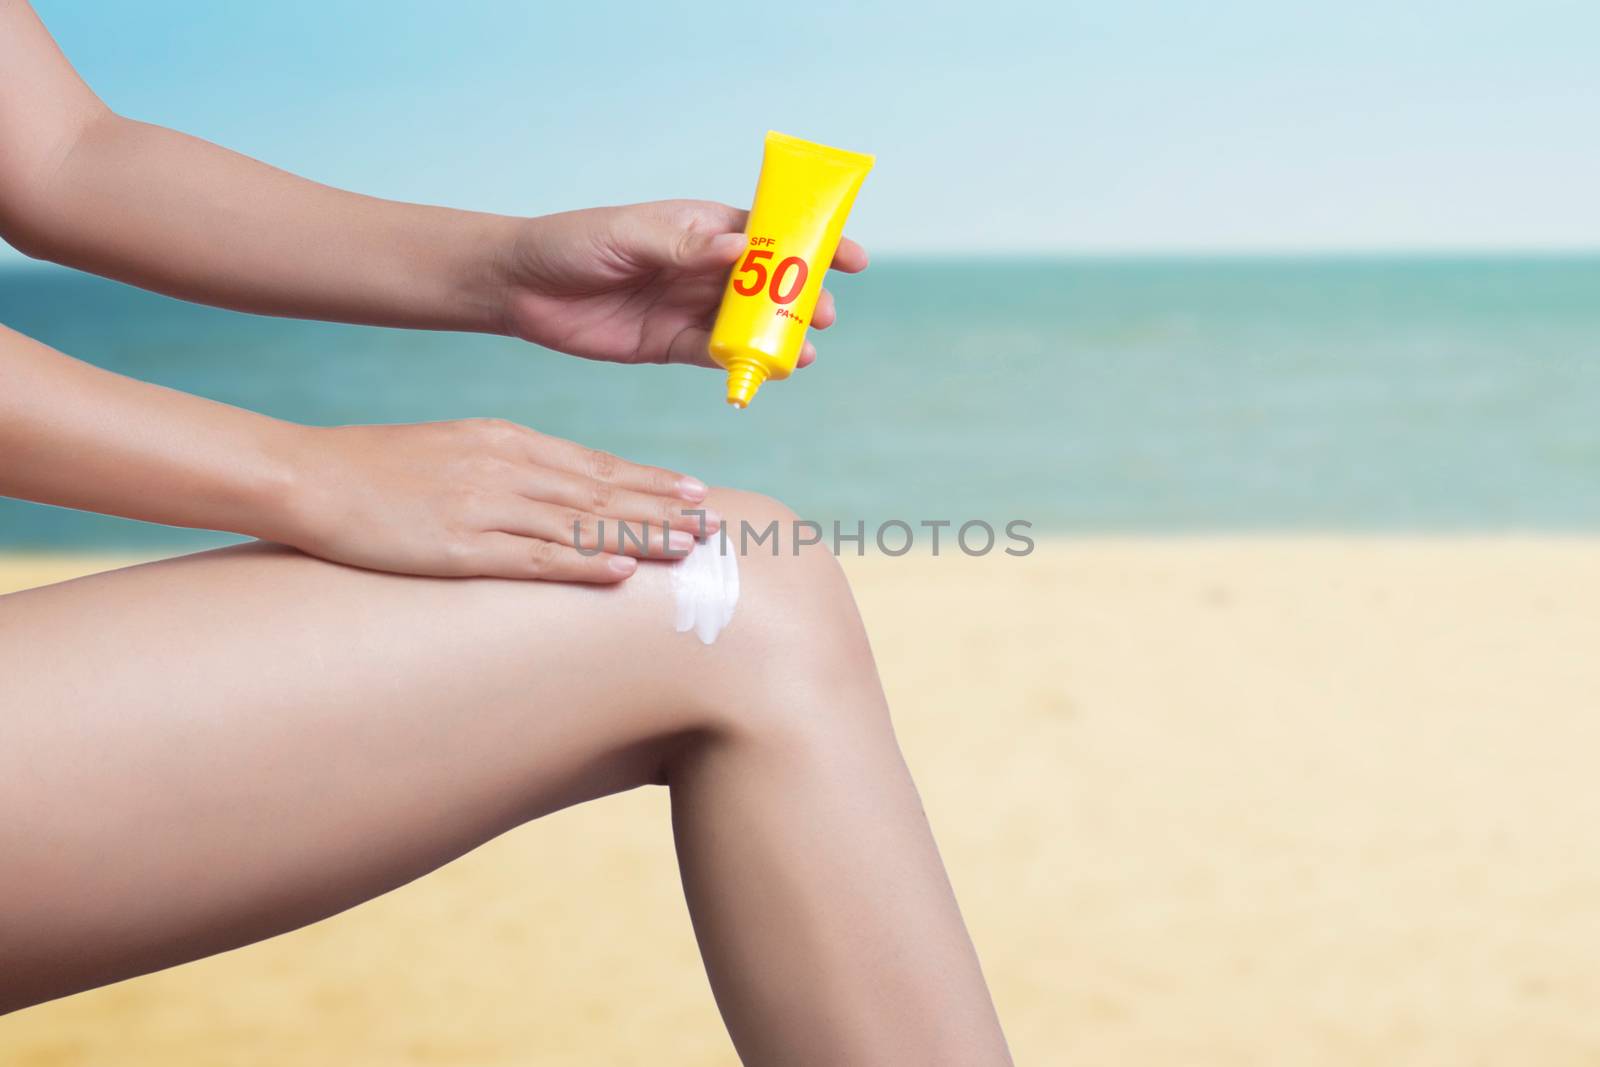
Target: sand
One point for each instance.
(1233, 801)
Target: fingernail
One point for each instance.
(679, 541)
(691, 488)
(623, 564)
(712, 520)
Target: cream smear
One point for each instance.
(705, 588)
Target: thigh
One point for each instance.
(204, 751)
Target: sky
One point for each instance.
(1123, 126)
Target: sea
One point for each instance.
(1092, 396)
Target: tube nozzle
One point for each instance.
(744, 378)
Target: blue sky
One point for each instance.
(1005, 127)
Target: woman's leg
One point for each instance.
(207, 751)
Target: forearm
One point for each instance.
(77, 436)
(166, 211)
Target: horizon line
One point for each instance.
(10, 259)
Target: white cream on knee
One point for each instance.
(705, 588)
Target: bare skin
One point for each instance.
(210, 750)
(83, 186)
(207, 751)
(474, 497)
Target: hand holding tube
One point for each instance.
(635, 284)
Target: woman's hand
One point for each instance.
(482, 497)
(85, 187)
(636, 284)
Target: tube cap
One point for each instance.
(744, 378)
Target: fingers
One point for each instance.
(702, 235)
(514, 444)
(707, 252)
(583, 497)
(590, 534)
(690, 236)
(826, 314)
(690, 347)
(577, 487)
(546, 508)
(708, 214)
(504, 555)
(704, 252)
(850, 258)
(609, 470)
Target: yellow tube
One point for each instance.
(802, 200)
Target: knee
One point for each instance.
(794, 659)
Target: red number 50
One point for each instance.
(799, 265)
(753, 265)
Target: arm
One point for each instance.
(85, 187)
(453, 499)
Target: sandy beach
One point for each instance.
(1205, 802)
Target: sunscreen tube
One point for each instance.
(802, 200)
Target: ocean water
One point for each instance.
(1082, 396)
